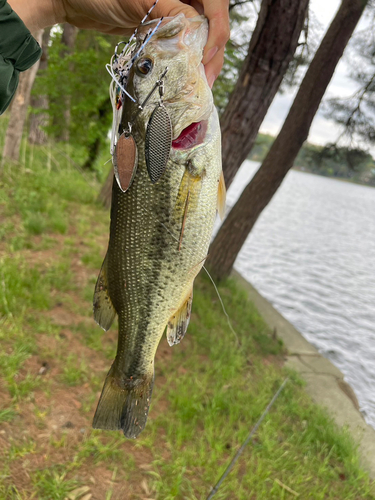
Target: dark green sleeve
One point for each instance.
(18, 52)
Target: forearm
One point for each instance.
(38, 14)
(18, 52)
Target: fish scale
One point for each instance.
(159, 232)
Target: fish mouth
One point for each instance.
(191, 136)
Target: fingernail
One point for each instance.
(210, 54)
(211, 80)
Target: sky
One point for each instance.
(322, 130)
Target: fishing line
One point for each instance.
(253, 431)
(222, 305)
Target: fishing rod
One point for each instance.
(252, 432)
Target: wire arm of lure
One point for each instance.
(112, 73)
(159, 83)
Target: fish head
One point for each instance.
(177, 46)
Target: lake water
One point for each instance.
(312, 255)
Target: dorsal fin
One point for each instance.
(178, 323)
(221, 196)
(104, 312)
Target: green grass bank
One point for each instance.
(208, 392)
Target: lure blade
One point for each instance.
(125, 161)
(158, 142)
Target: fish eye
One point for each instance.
(144, 66)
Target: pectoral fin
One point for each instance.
(104, 312)
(221, 196)
(190, 187)
(178, 323)
(187, 200)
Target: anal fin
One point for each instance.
(104, 312)
(178, 323)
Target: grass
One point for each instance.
(7, 415)
(52, 483)
(74, 371)
(208, 391)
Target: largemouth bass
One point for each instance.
(159, 231)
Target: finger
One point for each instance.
(213, 68)
(110, 30)
(217, 13)
(170, 8)
(83, 22)
(196, 4)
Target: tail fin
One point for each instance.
(124, 404)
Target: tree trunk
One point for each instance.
(94, 148)
(18, 110)
(68, 39)
(271, 49)
(283, 152)
(39, 120)
(105, 195)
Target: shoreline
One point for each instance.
(301, 169)
(341, 179)
(324, 382)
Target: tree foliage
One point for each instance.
(242, 21)
(330, 160)
(335, 161)
(82, 76)
(356, 113)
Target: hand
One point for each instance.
(217, 13)
(123, 16)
